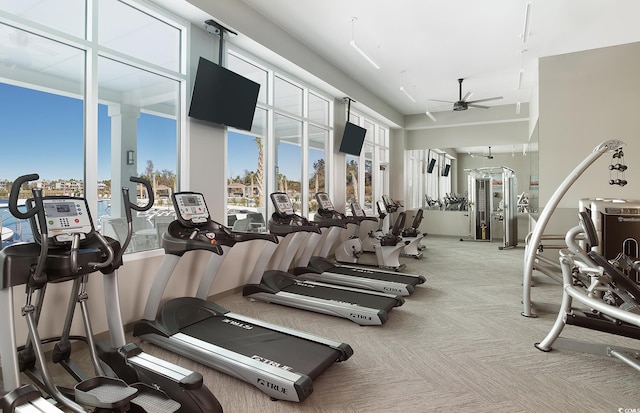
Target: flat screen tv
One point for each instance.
(432, 164)
(445, 170)
(352, 139)
(222, 96)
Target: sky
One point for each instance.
(43, 133)
(242, 154)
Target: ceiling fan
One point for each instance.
(490, 156)
(463, 103)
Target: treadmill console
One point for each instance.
(282, 203)
(65, 216)
(191, 210)
(356, 209)
(382, 208)
(324, 201)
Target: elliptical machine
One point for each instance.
(67, 248)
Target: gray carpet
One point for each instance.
(459, 344)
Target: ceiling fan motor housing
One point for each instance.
(460, 105)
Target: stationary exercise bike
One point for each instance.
(413, 235)
(67, 248)
(322, 269)
(387, 247)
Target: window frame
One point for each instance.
(270, 147)
(93, 50)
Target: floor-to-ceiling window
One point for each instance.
(292, 127)
(365, 181)
(318, 133)
(100, 103)
(246, 156)
(351, 179)
(317, 156)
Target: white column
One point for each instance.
(124, 138)
(338, 169)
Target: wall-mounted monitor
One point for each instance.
(445, 170)
(352, 139)
(222, 96)
(432, 164)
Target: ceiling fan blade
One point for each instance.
(438, 100)
(433, 118)
(467, 96)
(477, 106)
(485, 100)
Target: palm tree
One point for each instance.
(260, 172)
(354, 184)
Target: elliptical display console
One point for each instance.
(65, 217)
(68, 248)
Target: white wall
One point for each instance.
(586, 98)
(455, 136)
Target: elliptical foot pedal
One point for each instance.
(104, 393)
(152, 400)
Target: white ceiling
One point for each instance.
(426, 45)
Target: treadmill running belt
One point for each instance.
(346, 296)
(269, 346)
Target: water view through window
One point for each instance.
(85, 119)
(43, 134)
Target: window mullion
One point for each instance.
(91, 111)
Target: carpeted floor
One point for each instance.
(459, 344)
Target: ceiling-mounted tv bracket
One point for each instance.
(219, 30)
(348, 101)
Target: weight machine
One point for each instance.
(483, 188)
(537, 235)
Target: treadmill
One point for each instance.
(320, 268)
(280, 287)
(279, 361)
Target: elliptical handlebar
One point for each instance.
(38, 207)
(132, 205)
(75, 244)
(36, 278)
(15, 193)
(128, 206)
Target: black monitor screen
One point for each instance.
(352, 139)
(432, 164)
(222, 96)
(445, 170)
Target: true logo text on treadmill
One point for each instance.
(272, 386)
(238, 324)
(272, 363)
(359, 316)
